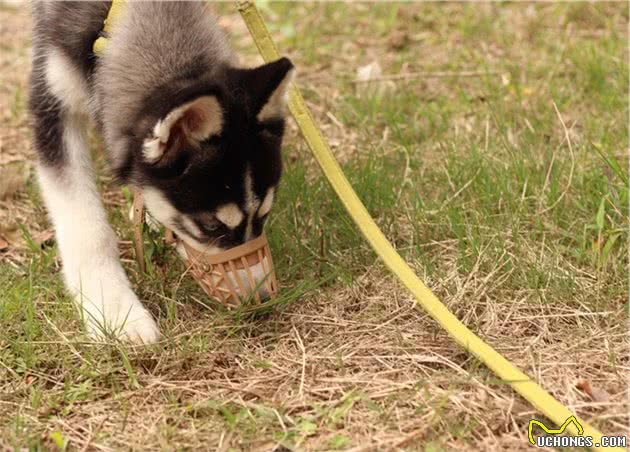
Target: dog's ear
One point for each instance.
(185, 126)
(267, 87)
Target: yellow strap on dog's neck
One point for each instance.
(115, 10)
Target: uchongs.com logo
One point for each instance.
(554, 437)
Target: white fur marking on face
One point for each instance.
(158, 206)
(66, 83)
(275, 108)
(265, 206)
(201, 118)
(230, 215)
(190, 225)
(163, 211)
(251, 202)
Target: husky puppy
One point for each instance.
(198, 136)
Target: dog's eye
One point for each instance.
(209, 225)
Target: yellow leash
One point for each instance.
(521, 383)
(114, 12)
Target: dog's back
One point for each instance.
(71, 27)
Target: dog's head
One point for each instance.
(211, 163)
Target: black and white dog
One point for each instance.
(198, 136)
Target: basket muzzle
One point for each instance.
(241, 273)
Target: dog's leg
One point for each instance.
(88, 246)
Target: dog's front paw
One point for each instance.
(122, 317)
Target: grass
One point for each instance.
(506, 191)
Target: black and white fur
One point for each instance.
(199, 137)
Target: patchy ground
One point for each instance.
(492, 149)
